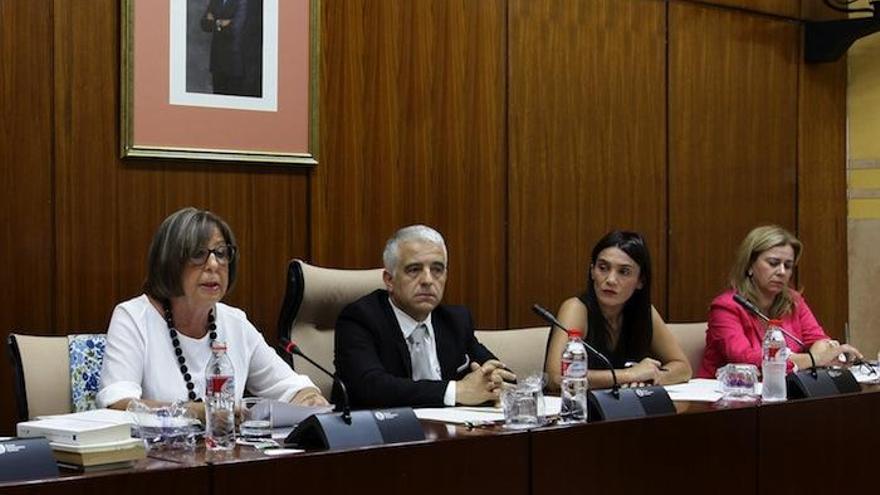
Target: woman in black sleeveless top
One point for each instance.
(618, 320)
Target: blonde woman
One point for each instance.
(762, 273)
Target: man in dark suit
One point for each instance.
(227, 21)
(401, 347)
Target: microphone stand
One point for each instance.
(291, 348)
(549, 318)
(358, 429)
(750, 307)
(617, 403)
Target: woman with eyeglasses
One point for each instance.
(762, 274)
(619, 321)
(159, 343)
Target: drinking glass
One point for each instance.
(256, 419)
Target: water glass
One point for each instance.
(523, 404)
(738, 381)
(170, 427)
(256, 419)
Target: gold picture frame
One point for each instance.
(168, 111)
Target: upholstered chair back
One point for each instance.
(56, 374)
(314, 298)
(692, 339)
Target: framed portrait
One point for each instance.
(229, 80)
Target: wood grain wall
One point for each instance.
(587, 119)
(522, 129)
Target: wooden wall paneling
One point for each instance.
(279, 232)
(86, 123)
(587, 141)
(787, 8)
(140, 210)
(822, 214)
(412, 130)
(733, 142)
(27, 295)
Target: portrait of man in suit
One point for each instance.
(234, 54)
(400, 346)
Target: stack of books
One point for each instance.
(88, 441)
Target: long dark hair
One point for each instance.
(637, 330)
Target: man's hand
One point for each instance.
(482, 384)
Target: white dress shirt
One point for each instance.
(407, 325)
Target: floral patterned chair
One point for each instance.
(56, 374)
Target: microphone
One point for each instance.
(617, 403)
(292, 348)
(358, 429)
(750, 307)
(549, 318)
(813, 382)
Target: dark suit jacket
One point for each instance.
(373, 361)
(226, 45)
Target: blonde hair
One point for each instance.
(761, 239)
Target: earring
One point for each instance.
(750, 274)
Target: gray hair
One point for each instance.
(182, 234)
(420, 233)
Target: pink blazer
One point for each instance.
(734, 335)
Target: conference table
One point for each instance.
(805, 446)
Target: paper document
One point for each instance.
(552, 406)
(696, 390)
(480, 415)
(460, 415)
(287, 414)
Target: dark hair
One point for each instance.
(180, 235)
(637, 329)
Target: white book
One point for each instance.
(75, 431)
(102, 415)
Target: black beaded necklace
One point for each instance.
(211, 328)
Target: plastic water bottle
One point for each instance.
(219, 400)
(574, 379)
(773, 363)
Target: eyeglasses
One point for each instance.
(223, 254)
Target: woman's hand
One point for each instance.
(645, 371)
(197, 410)
(827, 353)
(309, 397)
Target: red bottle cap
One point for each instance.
(575, 333)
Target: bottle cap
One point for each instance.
(218, 345)
(774, 323)
(575, 333)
